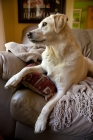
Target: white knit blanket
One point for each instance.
(26, 52)
(79, 97)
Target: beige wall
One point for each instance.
(13, 29)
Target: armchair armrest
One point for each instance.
(26, 105)
(9, 65)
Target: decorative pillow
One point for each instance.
(39, 83)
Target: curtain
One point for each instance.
(2, 33)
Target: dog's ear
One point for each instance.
(59, 22)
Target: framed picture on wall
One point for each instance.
(33, 11)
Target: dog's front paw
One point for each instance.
(40, 124)
(12, 82)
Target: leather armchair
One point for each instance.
(20, 107)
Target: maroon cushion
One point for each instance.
(39, 83)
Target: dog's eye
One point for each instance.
(44, 24)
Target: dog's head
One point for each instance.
(48, 28)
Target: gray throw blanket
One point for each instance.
(79, 97)
(26, 52)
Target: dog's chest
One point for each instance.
(51, 64)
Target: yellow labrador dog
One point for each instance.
(62, 60)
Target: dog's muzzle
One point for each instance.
(30, 37)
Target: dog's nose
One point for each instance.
(29, 34)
